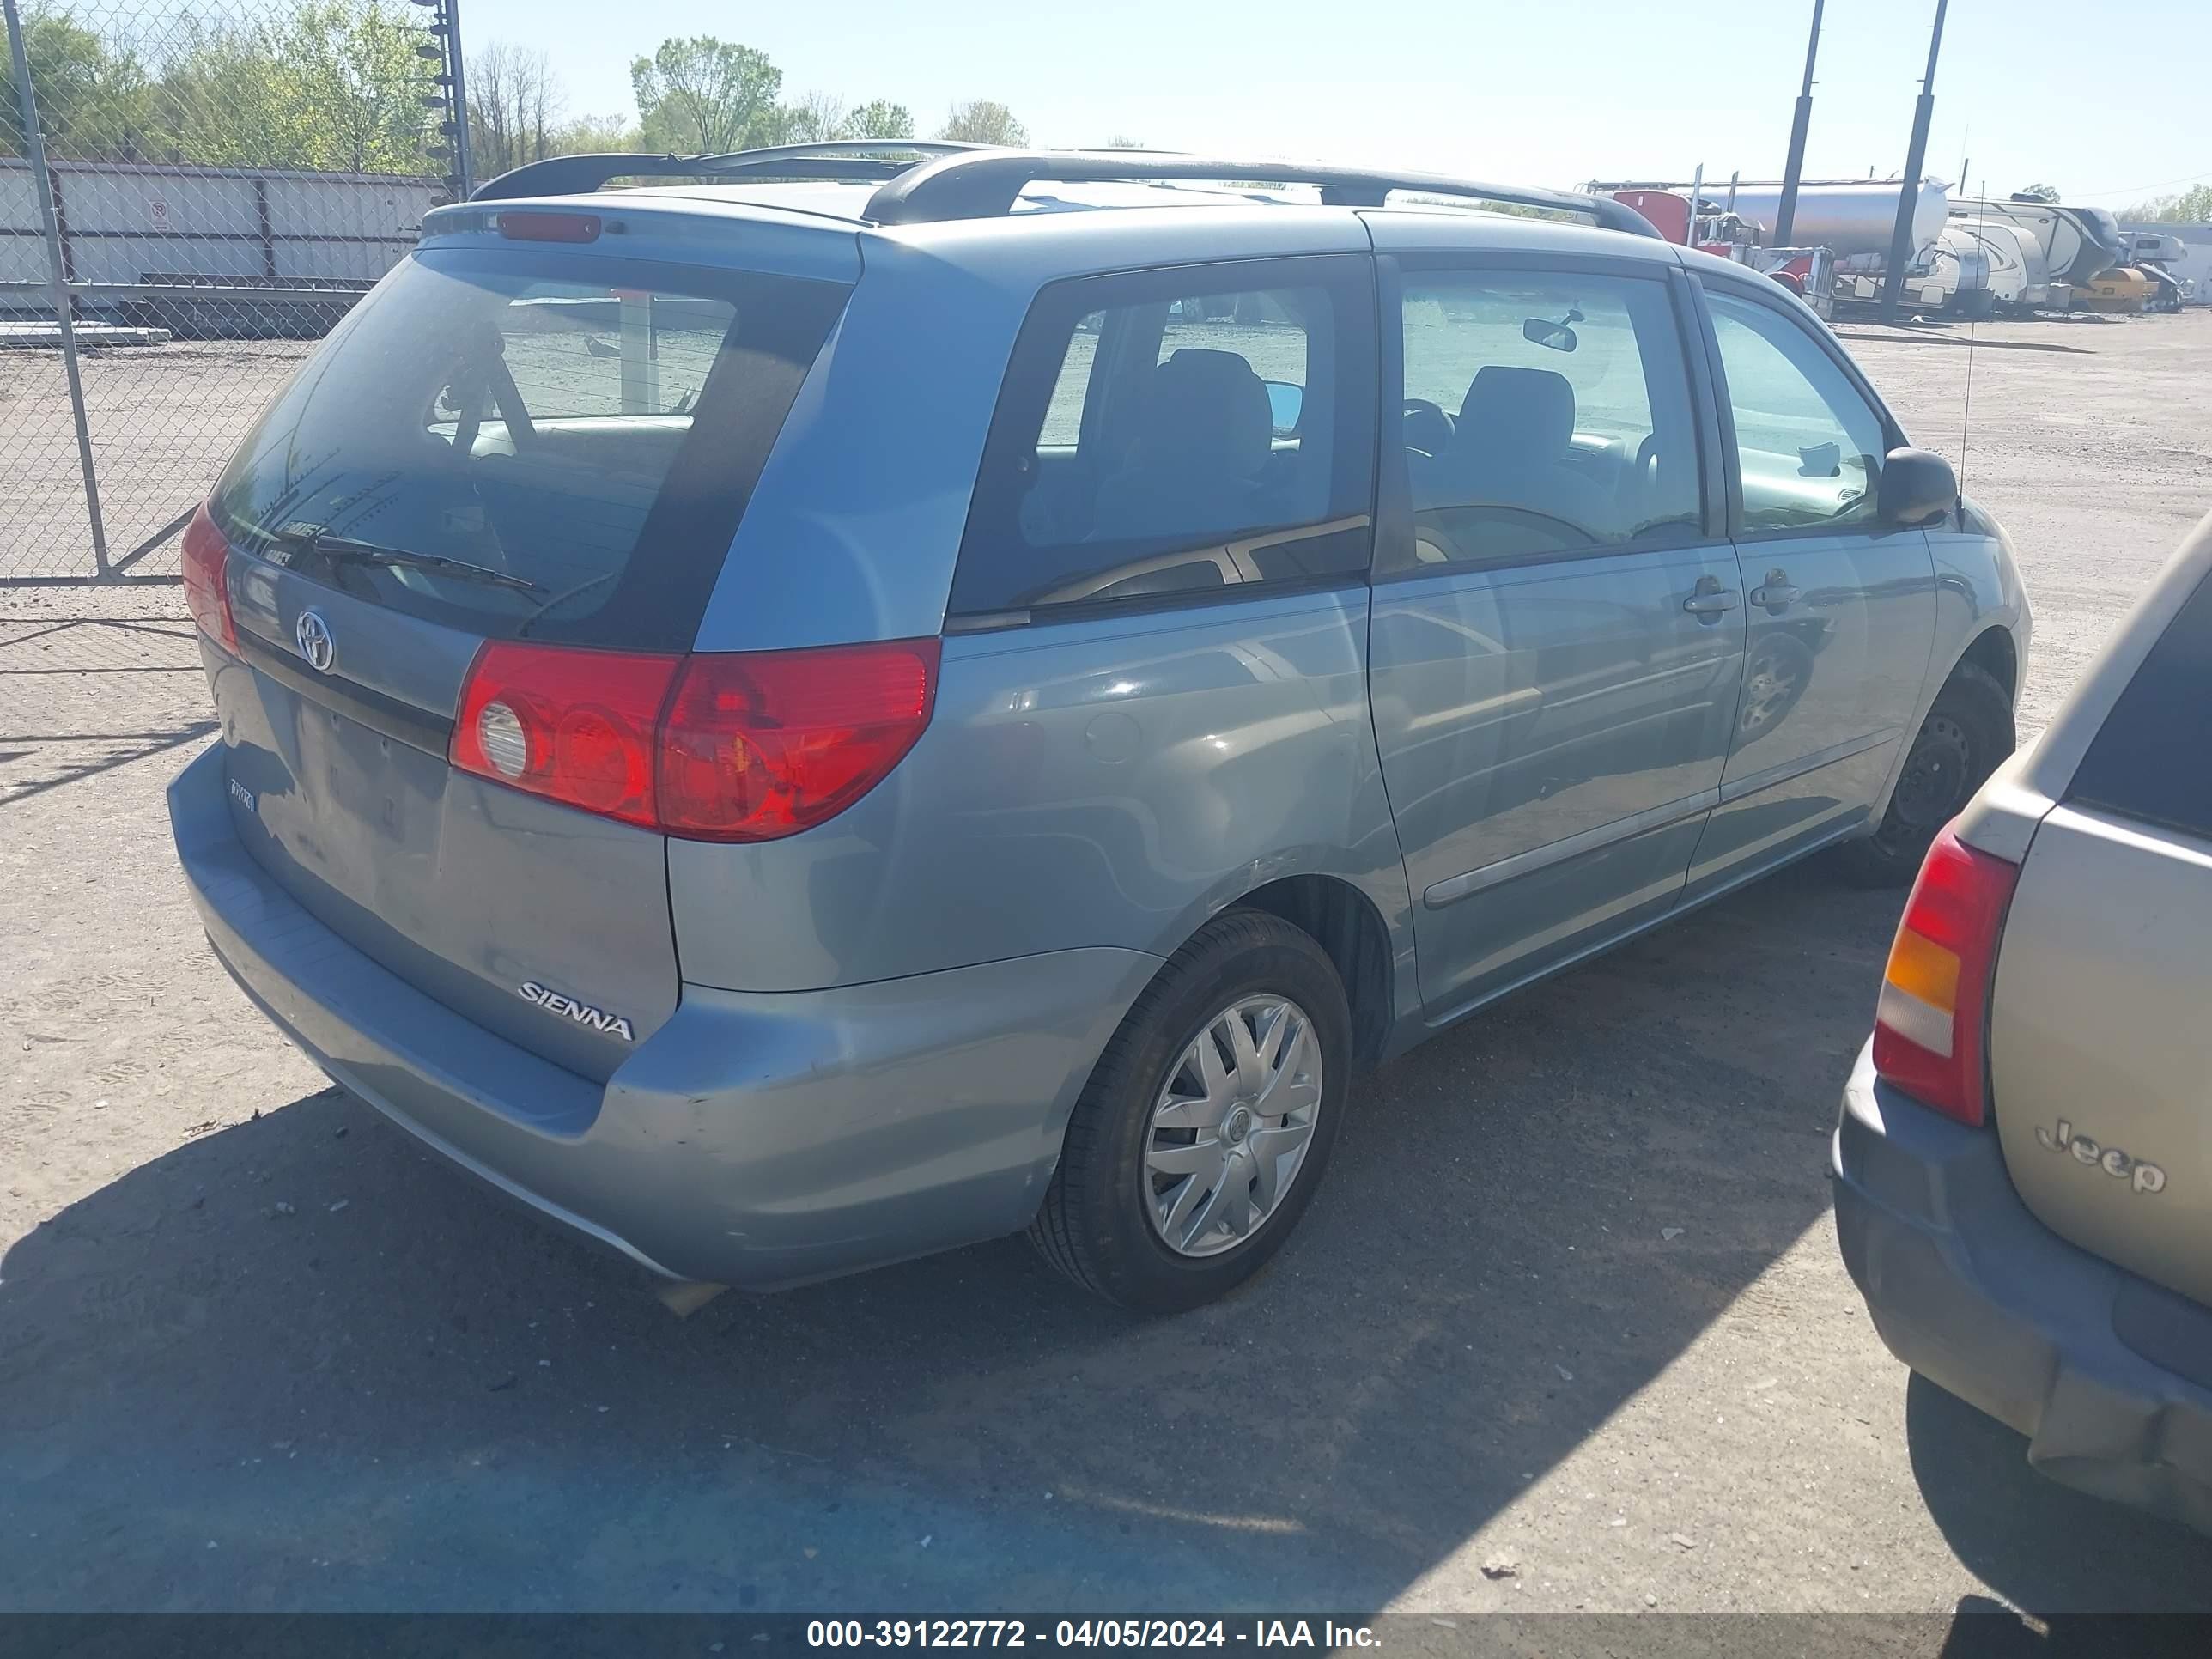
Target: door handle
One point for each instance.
(1710, 601)
(1777, 594)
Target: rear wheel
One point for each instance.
(1205, 1126)
(1968, 731)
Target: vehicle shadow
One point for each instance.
(301, 1363)
(56, 760)
(2046, 1548)
(81, 695)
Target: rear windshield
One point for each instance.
(2148, 761)
(508, 441)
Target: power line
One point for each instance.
(2130, 190)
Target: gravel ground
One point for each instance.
(1571, 1298)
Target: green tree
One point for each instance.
(225, 96)
(878, 118)
(708, 95)
(96, 100)
(2192, 207)
(334, 86)
(2041, 192)
(820, 118)
(588, 135)
(355, 62)
(983, 122)
(815, 118)
(67, 63)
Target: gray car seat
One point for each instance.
(1510, 449)
(1197, 465)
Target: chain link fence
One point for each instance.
(191, 193)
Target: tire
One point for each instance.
(1098, 1223)
(1968, 732)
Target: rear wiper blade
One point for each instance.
(343, 548)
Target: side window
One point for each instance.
(1178, 431)
(1545, 414)
(1809, 445)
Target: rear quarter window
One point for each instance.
(2152, 759)
(562, 444)
(1173, 434)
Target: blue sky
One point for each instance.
(2030, 90)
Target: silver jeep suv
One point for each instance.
(2023, 1161)
(902, 693)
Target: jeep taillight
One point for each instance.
(1933, 1015)
(205, 563)
(738, 746)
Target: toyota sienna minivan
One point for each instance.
(892, 694)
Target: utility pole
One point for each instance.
(1785, 215)
(463, 171)
(452, 100)
(1908, 194)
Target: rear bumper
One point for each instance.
(1969, 1288)
(758, 1140)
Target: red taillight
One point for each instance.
(207, 580)
(1934, 1010)
(550, 227)
(739, 747)
(577, 726)
(762, 745)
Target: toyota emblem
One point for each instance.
(316, 644)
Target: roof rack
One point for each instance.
(854, 160)
(980, 182)
(922, 180)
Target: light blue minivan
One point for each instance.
(903, 693)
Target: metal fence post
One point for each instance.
(34, 149)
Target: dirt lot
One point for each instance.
(163, 421)
(1570, 1296)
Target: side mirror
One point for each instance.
(1285, 403)
(1917, 487)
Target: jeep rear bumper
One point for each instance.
(1968, 1288)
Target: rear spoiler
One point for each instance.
(863, 161)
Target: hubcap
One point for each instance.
(1231, 1125)
(1770, 685)
(1765, 692)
